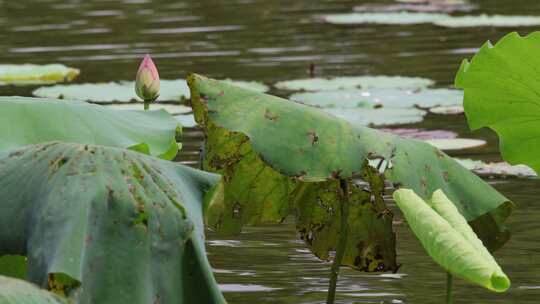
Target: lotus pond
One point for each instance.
(263, 45)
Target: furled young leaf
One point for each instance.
(107, 225)
(449, 240)
(501, 92)
(25, 120)
(23, 74)
(15, 291)
(305, 143)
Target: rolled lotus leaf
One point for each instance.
(15, 291)
(449, 240)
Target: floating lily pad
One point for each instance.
(422, 134)
(378, 117)
(456, 143)
(374, 98)
(123, 91)
(173, 109)
(491, 21)
(250, 85)
(403, 18)
(31, 74)
(420, 7)
(364, 82)
(496, 168)
(384, 18)
(187, 121)
(447, 110)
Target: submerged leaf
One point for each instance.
(26, 120)
(258, 141)
(506, 99)
(449, 240)
(30, 74)
(356, 82)
(107, 225)
(15, 291)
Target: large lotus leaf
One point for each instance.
(255, 193)
(449, 240)
(107, 225)
(355, 82)
(35, 74)
(26, 120)
(123, 91)
(379, 116)
(15, 291)
(501, 92)
(313, 146)
(393, 98)
(384, 18)
(488, 21)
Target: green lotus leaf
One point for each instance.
(378, 117)
(355, 82)
(15, 291)
(449, 240)
(113, 92)
(26, 120)
(31, 74)
(500, 92)
(375, 98)
(107, 225)
(14, 266)
(259, 142)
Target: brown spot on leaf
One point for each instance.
(445, 176)
(313, 137)
(268, 115)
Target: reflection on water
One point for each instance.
(272, 40)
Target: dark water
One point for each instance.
(271, 40)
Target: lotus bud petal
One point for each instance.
(147, 82)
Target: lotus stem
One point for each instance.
(146, 105)
(449, 283)
(342, 242)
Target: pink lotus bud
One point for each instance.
(147, 82)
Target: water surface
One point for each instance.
(272, 40)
